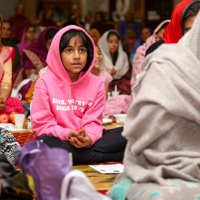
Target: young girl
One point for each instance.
(116, 105)
(102, 74)
(68, 102)
(115, 61)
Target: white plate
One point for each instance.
(107, 121)
(9, 126)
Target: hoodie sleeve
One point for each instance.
(92, 119)
(43, 120)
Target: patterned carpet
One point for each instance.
(23, 137)
(101, 182)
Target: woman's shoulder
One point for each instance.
(154, 46)
(6, 53)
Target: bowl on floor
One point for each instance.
(120, 117)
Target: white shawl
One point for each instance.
(122, 63)
(163, 123)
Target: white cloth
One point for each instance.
(122, 63)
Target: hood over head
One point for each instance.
(54, 58)
(173, 31)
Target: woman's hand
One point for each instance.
(112, 71)
(2, 102)
(2, 99)
(80, 139)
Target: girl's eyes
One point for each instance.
(68, 50)
(82, 50)
(111, 41)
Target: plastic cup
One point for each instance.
(19, 120)
(115, 93)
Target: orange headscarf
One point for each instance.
(97, 33)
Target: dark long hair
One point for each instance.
(190, 10)
(116, 53)
(1, 21)
(86, 43)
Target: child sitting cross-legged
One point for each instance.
(68, 102)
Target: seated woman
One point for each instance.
(162, 127)
(34, 59)
(28, 38)
(94, 33)
(19, 21)
(116, 105)
(115, 61)
(7, 40)
(146, 33)
(7, 103)
(47, 19)
(141, 50)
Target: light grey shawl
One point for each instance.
(163, 123)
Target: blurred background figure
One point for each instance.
(88, 22)
(33, 59)
(7, 54)
(129, 42)
(146, 32)
(74, 19)
(8, 40)
(29, 36)
(47, 19)
(129, 23)
(100, 23)
(115, 61)
(19, 21)
(141, 51)
(94, 33)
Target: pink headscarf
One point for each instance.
(22, 45)
(140, 53)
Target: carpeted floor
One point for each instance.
(101, 182)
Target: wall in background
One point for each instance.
(176, 2)
(7, 8)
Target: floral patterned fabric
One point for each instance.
(8, 144)
(29, 94)
(125, 188)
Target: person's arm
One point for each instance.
(107, 87)
(125, 67)
(92, 119)
(43, 120)
(6, 83)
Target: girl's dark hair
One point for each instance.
(50, 33)
(116, 53)
(86, 43)
(162, 27)
(190, 10)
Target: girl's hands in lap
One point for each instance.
(80, 138)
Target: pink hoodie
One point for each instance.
(60, 106)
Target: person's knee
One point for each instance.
(43, 138)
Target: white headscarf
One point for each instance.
(121, 65)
